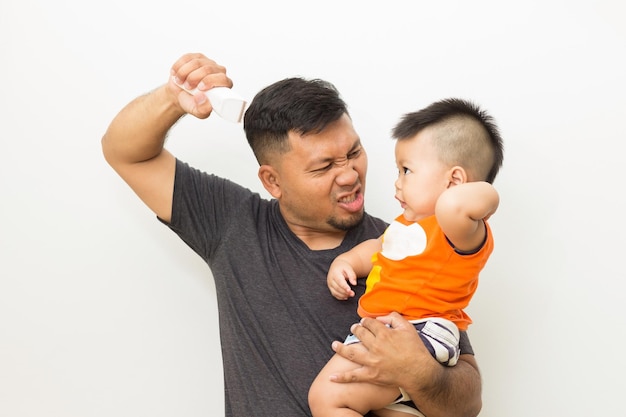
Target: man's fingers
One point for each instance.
(368, 328)
(355, 353)
(349, 376)
(393, 320)
(347, 351)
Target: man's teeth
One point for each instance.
(348, 199)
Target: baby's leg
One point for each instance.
(394, 413)
(327, 398)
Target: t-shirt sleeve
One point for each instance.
(203, 206)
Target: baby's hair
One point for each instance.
(463, 134)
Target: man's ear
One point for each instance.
(456, 176)
(269, 178)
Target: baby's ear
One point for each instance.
(457, 175)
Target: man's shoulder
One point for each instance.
(374, 223)
(188, 177)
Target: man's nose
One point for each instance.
(348, 174)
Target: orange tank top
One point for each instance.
(419, 274)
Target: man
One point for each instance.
(269, 258)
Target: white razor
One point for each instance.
(228, 104)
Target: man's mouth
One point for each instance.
(352, 202)
(348, 199)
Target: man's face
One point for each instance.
(322, 179)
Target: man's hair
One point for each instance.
(463, 134)
(294, 104)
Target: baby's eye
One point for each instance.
(406, 170)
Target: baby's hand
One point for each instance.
(339, 274)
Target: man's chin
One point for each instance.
(348, 222)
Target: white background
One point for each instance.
(103, 311)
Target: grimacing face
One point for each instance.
(322, 179)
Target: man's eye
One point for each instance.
(354, 154)
(324, 168)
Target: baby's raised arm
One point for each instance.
(461, 211)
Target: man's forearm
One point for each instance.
(454, 392)
(397, 356)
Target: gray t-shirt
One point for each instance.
(276, 315)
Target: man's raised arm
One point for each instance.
(133, 143)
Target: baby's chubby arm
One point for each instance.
(461, 211)
(350, 265)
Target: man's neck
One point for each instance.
(316, 240)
